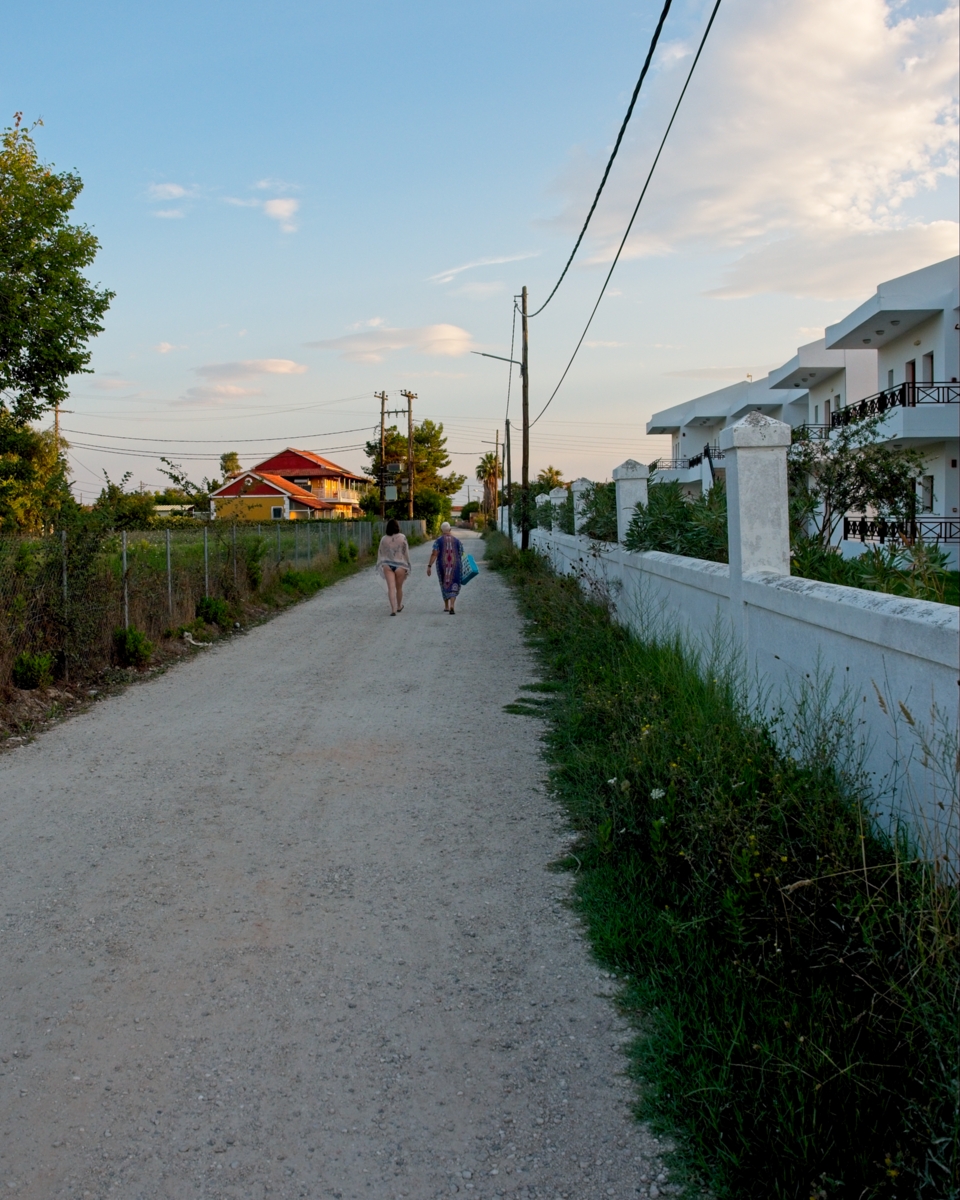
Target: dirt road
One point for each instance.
(279, 923)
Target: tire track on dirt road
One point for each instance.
(278, 923)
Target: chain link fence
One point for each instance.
(62, 597)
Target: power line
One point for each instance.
(194, 456)
(119, 437)
(616, 147)
(633, 217)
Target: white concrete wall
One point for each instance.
(880, 653)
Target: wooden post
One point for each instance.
(525, 449)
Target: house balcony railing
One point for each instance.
(685, 463)
(940, 530)
(907, 395)
(813, 433)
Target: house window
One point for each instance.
(926, 493)
(816, 414)
(826, 412)
(890, 378)
(928, 368)
(276, 513)
(304, 483)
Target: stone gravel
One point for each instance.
(280, 923)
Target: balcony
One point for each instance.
(714, 453)
(907, 395)
(943, 531)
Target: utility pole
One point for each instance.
(382, 397)
(509, 476)
(496, 477)
(410, 397)
(525, 464)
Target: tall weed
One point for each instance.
(792, 970)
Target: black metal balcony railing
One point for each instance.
(907, 395)
(812, 432)
(685, 463)
(941, 530)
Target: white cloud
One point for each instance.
(166, 347)
(169, 214)
(251, 367)
(282, 211)
(216, 393)
(113, 384)
(806, 119)
(837, 265)
(438, 341)
(449, 275)
(237, 203)
(166, 191)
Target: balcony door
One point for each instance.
(910, 381)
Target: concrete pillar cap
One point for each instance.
(756, 431)
(631, 469)
(558, 493)
(543, 498)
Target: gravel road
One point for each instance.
(279, 923)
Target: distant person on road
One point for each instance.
(393, 563)
(448, 555)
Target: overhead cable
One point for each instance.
(636, 209)
(613, 155)
(119, 437)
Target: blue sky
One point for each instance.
(301, 204)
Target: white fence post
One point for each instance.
(758, 519)
(578, 487)
(558, 495)
(631, 481)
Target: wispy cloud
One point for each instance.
(480, 291)
(710, 373)
(113, 383)
(250, 368)
(166, 191)
(438, 341)
(283, 211)
(449, 275)
(166, 347)
(169, 214)
(216, 393)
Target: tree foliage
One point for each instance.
(48, 308)
(488, 473)
(696, 528)
(600, 511)
(33, 478)
(552, 477)
(430, 459)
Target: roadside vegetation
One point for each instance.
(791, 972)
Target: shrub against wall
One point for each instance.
(669, 522)
(599, 519)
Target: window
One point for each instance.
(910, 371)
(928, 368)
(304, 483)
(826, 412)
(926, 493)
(816, 414)
(890, 378)
(277, 513)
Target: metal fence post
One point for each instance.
(169, 579)
(126, 589)
(278, 544)
(66, 657)
(235, 554)
(206, 562)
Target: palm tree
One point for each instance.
(551, 477)
(488, 473)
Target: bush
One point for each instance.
(564, 515)
(33, 670)
(347, 552)
(600, 512)
(131, 648)
(919, 571)
(792, 973)
(214, 611)
(670, 522)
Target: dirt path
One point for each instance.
(279, 923)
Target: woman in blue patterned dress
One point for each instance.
(448, 555)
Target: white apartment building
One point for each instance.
(898, 353)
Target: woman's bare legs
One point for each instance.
(401, 577)
(391, 578)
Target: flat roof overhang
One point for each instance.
(876, 327)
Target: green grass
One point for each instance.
(791, 974)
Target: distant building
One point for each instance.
(291, 485)
(898, 353)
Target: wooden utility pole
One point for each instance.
(382, 397)
(410, 396)
(496, 477)
(525, 448)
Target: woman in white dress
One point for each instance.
(393, 563)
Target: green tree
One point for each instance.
(430, 459)
(48, 308)
(34, 493)
(854, 470)
(488, 473)
(185, 489)
(121, 509)
(551, 477)
(230, 464)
